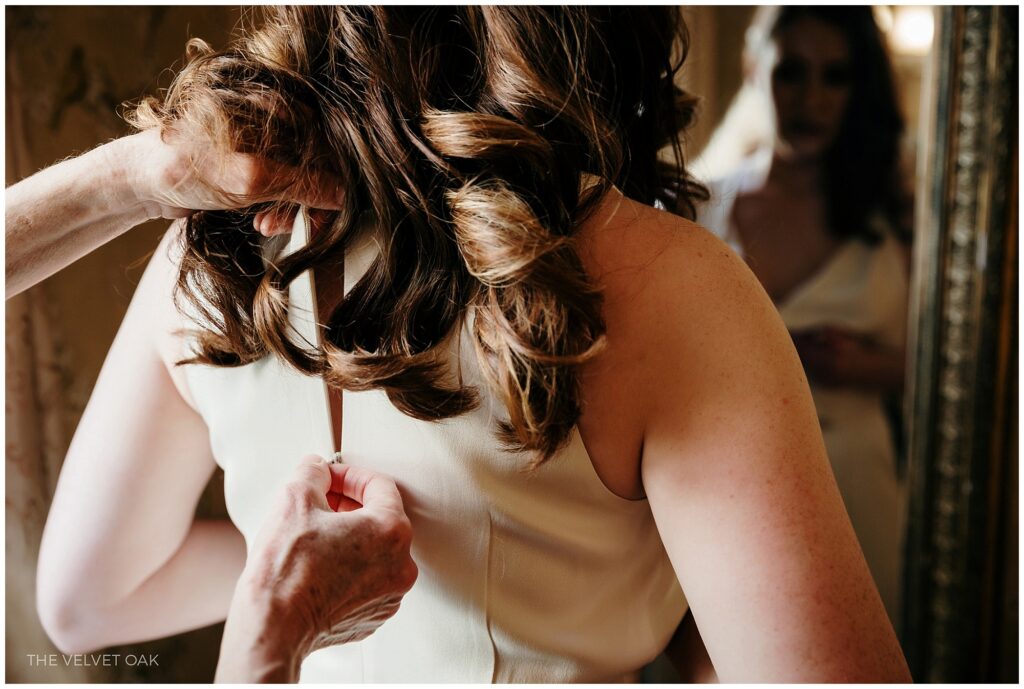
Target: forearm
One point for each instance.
(258, 645)
(63, 212)
(192, 589)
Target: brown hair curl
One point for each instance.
(466, 132)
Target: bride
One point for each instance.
(593, 413)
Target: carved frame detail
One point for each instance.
(965, 233)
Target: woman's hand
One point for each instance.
(835, 357)
(67, 210)
(176, 174)
(329, 566)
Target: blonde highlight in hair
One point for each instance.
(466, 133)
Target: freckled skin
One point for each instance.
(700, 403)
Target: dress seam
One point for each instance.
(488, 572)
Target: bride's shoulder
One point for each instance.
(683, 312)
(676, 295)
(642, 256)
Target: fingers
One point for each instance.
(281, 220)
(343, 488)
(278, 220)
(373, 491)
(321, 190)
(251, 179)
(275, 221)
(341, 503)
(315, 188)
(311, 472)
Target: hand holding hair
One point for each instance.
(68, 210)
(330, 564)
(190, 174)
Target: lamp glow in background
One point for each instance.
(912, 30)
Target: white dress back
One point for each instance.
(543, 577)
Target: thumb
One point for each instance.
(312, 471)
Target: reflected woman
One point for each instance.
(819, 215)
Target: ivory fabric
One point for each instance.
(863, 289)
(543, 577)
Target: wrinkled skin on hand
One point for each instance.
(182, 172)
(332, 561)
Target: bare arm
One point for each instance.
(121, 559)
(63, 212)
(740, 487)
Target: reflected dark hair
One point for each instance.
(863, 173)
(467, 133)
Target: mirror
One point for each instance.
(948, 437)
(961, 620)
(933, 495)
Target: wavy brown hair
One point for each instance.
(465, 133)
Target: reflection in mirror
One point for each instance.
(836, 143)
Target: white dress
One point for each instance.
(863, 289)
(547, 577)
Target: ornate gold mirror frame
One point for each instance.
(960, 616)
